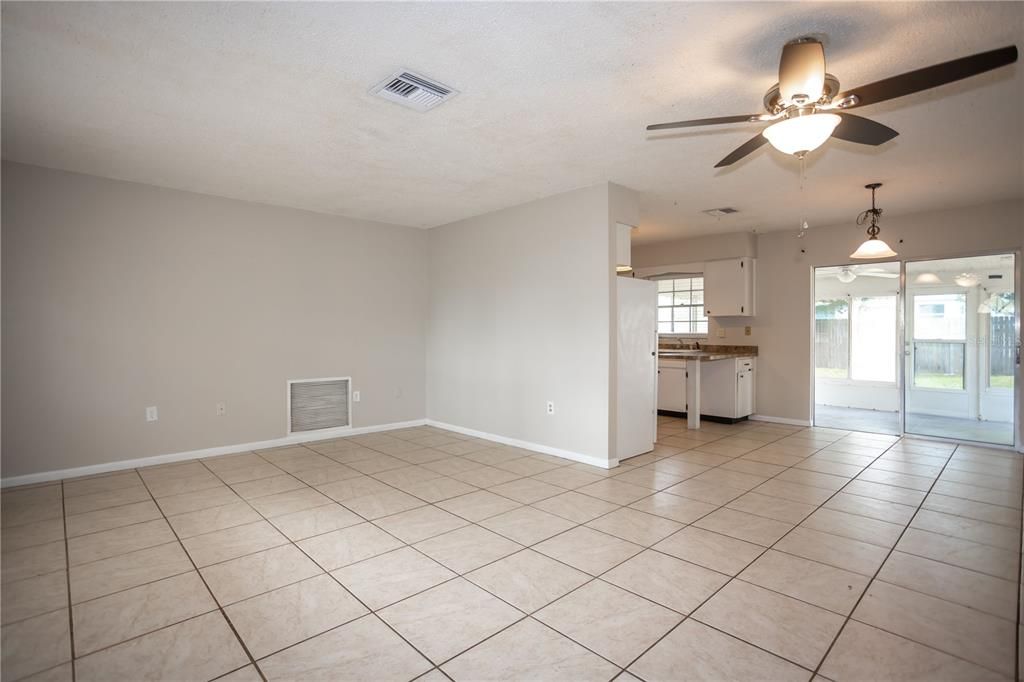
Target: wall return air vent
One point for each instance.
(317, 404)
(413, 90)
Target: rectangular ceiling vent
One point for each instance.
(719, 212)
(413, 90)
(317, 404)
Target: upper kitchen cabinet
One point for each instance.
(729, 287)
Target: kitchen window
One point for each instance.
(681, 306)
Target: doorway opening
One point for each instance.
(856, 325)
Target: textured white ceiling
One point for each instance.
(268, 102)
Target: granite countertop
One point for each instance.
(707, 353)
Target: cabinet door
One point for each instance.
(672, 389)
(728, 287)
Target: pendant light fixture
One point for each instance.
(873, 247)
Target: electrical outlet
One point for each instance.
(746, 330)
(222, 409)
(151, 414)
(551, 407)
(721, 332)
(356, 397)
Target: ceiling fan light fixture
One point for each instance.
(927, 278)
(801, 134)
(846, 275)
(966, 280)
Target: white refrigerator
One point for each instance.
(637, 374)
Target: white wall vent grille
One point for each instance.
(413, 90)
(315, 404)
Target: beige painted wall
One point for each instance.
(781, 327)
(520, 314)
(117, 296)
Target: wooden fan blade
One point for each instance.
(862, 130)
(704, 122)
(930, 77)
(751, 145)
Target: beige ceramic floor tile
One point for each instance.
(33, 561)
(200, 648)
(449, 618)
(588, 549)
(772, 507)
(261, 487)
(680, 509)
(816, 583)
(114, 517)
(959, 585)
(437, 489)
(316, 521)
(635, 526)
(527, 525)
(963, 553)
(527, 490)
(748, 527)
(420, 524)
(221, 545)
(286, 616)
(796, 631)
(981, 532)
(107, 576)
(215, 518)
(204, 499)
(289, 502)
(616, 492)
(365, 649)
(348, 545)
(115, 618)
(610, 621)
(846, 553)
(693, 651)
(247, 576)
(98, 484)
(468, 548)
(528, 580)
(477, 506)
(677, 584)
(34, 596)
(382, 504)
(351, 488)
(388, 578)
(36, 644)
(103, 500)
(575, 506)
(108, 543)
(32, 534)
(865, 653)
(856, 527)
(973, 510)
(711, 550)
(977, 637)
(529, 651)
(881, 510)
(706, 491)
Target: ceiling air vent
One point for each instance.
(719, 212)
(413, 90)
(316, 404)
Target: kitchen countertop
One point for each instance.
(708, 353)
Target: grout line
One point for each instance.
(216, 601)
(67, 569)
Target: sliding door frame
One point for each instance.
(902, 341)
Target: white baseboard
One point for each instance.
(291, 439)
(779, 420)
(547, 450)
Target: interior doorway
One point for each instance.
(856, 331)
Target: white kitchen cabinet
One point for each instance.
(672, 387)
(727, 388)
(729, 287)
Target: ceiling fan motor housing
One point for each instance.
(802, 71)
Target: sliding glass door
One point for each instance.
(960, 348)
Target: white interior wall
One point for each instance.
(118, 296)
(520, 315)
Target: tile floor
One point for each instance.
(753, 551)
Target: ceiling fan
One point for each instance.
(806, 106)
(849, 273)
